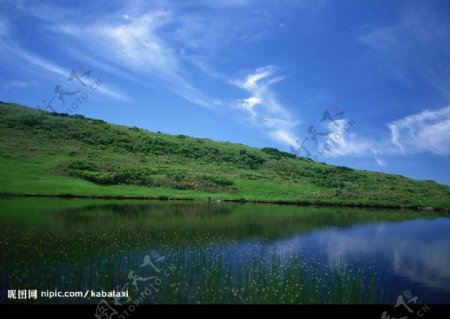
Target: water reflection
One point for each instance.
(410, 252)
(267, 253)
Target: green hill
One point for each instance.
(56, 154)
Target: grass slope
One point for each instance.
(56, 154)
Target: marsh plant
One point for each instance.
(208, 274)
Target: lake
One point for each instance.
(216, 252)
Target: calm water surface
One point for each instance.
(191, 252)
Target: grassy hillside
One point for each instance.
(57, 154)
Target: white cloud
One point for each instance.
(419, 32)
(21, 84)
(427, 131)
(230, 3)
(248, 104)
(380, 161)
(127, 42)
(161, 41)
(112, 92)
(133, 43)
(136, 44)
(99, 64)
(46, 69)
(13, 52)
(265, 110)
(424, 132)
(284, 136)
(4, 27)
(251, 82)
(380, 38)
(343, 141)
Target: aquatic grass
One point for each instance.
(208, 279)
(31, 235)
(198, 275)
(219, 253)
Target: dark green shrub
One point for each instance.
(82, 165)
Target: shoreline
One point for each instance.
(228, 200)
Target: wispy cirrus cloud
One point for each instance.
(343, 141)
(30, 60)
(4, 26)
(421, 33)
(45, 69)
(132, 42)
(160, 42)
(381, 38)
(113, 92)
(427, 131)
(20, 84)
(380, 162)
(265, 110)
(54, 72)
(153, 43)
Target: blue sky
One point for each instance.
(364, 84)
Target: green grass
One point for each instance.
(31, 177)
(56, 154)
